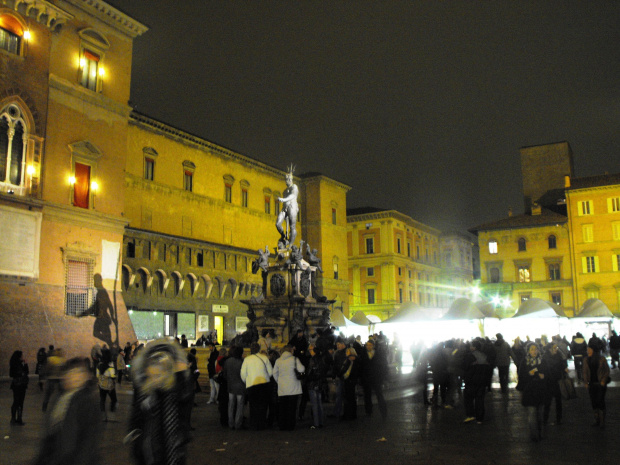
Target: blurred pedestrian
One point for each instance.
(18, 371)
(41, 366)
(316, 380)
(71, 436)
(350, 373)
(256, 372)
(106, 380)
(596, 378)
(555, 369)
(157, 433)
(534, 390)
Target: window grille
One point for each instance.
(79, 289)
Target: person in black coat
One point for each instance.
(556, 368)
(476, 369)
(18, 371)
(350, 373)
(71, 436)
(374, 373)
(534, 390)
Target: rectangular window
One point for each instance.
(79, 290)
(554, 271)
(334, 217)
(370, 245)
(400, 296)
(556, 298)
(400, 271)
(9, 41)
(335, 270)
(525, 297)
(398, 245)
(615, 262)
(524, 274)
(585, 208)
(417, 252)
(188, 255)
(589, 264)
(587, 233)
(278, 206)
(200, 259)
(227, 193)
(81, 188)
(370, 272)
(408, 249)
(371, 296)
(267, 204)
(493, 247)
(188, 181)
(592, 293)
(613, 204)
(90, 70)
(149, 169)
(409, 276)
(244, 198)
(615, 229)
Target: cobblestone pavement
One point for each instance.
(412, 434)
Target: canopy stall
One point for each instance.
(534, 318)
(593, 317)
(347, 327)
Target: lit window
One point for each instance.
(493, 247)
(12, 146)
(524, 274)
(10, 41)
(522, 244)
(81, 185)
(525, 297)
(585, 208)
(587, 233)
(554, 272)
(592, 293)
(188, 181)
(335, 270)
(268, 204)
(552, 242)
(370, 245)
(90, 70)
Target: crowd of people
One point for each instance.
(278, 385)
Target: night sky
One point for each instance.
(419, 106)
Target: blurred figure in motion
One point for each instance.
(158, 433)
(71, 436)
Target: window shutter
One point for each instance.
(596, 266)
(584, 264)
(614, 262)
(610, 207)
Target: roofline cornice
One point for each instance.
(328, 180)
(111, 16)
(43, 11)
(392, 214)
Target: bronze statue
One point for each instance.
(289, 211)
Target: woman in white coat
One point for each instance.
(289, 387)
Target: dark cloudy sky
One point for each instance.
(419, 106)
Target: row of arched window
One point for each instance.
(522, 244)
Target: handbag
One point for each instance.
(567, 388)
(300, 375)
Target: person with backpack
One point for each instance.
(106, 379)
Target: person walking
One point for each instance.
(502, 361)
(18, 371)
(350, 373)
(374, 373)
(596, 378)
(556, 369)
(106, 378)
(289, 387)
(579, 350)
(71, 437)
(236, 387)
(41, 366)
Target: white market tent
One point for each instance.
(593, 317)
(346, 326)
(594, 308)
(535, 317)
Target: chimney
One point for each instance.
(566, 180)
(536, 209)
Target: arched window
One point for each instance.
(522, 244)
(13, 144)
(552, 242)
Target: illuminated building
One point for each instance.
(103, 209)
(394, 259)
(564, 249)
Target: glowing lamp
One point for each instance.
(30, 170)
(82, 62)
(101, 71)
(94, 186)
(27, 35)
(496, 300)
(72, 180)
